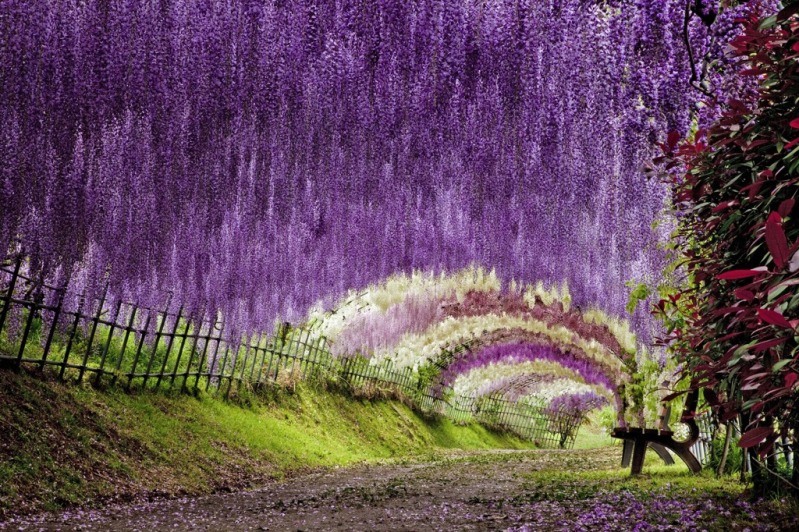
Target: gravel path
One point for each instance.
(471, 491)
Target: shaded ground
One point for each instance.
(66, 445)
(489, 490)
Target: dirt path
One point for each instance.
(517, 490)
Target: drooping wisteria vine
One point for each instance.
(256, 157)
(475, 339)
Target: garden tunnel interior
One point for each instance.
(271, 155)
(475, 338)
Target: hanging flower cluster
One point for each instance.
(576, 403)
(517, 353)
(485, 380)
(256, 157)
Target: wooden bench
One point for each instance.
(661, 440)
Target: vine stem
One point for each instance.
(695, 79)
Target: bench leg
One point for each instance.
(689, 459)
(627, 453)
(663, 453)
(639, 451)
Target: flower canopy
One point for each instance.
(256, 157)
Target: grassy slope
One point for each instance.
(63, 444)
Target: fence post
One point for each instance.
(242, 365)
(255, 356)
(92, 333)
(216, 354)
(10, 295)
(158, 334)
(71, 337)
(269, 348)
(143, 332)
(203, 355)
(128, 330)
(196, 339)
(169, 346)
(222, 366)
(183, 338)
(107, 346)
(26, 332)
(56, 314)
(284, 330)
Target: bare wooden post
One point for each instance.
(243, 366)
(296, 340)
(271, 348)
(255, 356)
(202, 356)
(223, 365)
(56, 314)
(143, 332)
(158, 334)
(214, 357)
(128, 330)
(10, 295)
(26, 332)
(283, 333)
(95, 320)
(195, 339)
(183, 338)
(71, 337)
(305, 353)
(169, 346)
(107, 346)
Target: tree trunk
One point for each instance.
(758, 475)
(726, 451)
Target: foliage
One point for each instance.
(257, 157)
(735, 325)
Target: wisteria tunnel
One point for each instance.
(269, 156)
(452, 197)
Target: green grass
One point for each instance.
(70, 444)
(590, 437)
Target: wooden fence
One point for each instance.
(122, 343)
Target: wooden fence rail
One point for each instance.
(141, 347)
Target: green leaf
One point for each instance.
(781, 364)
(768, 22)
(775, 293)
(738, 353)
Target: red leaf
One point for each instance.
(790, 379)
(754, 436)
(776, 241)
(786, 207)
(767, 344)
(724, 205)
(727, 310)
(674, 137)
(794, 123)
(737, 274)
(753, 189)
(742, 293)
(774, 318)
(750, 386)
(756, 143)
(791, 144)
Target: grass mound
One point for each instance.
(64, 445)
